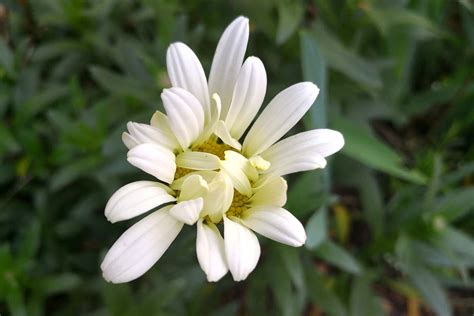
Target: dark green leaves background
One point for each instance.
(389, 222)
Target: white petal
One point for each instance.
(210, 251)
(242, 163)
(144, 133)
(140, 247)
(185, 113)
(197, 160)
(227, 61)
(259, 163)
(136, 198)
(161, 121)
(209, 127)
(272, 192)
(129, 140)
(193, 187)
(207, 175)
(303, 151)
(185, 71)
(223, 133)
(242, 249)
(275, 223)
(155, 160)
(219, 197)
(239, 179)
(247, 97)
(187, 211)
(296, 162)
(281, 114)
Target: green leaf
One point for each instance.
(455, 204)
(316, 229)
(122, 85)
(338, 256)
(6, 57)
(323, 297)
(342, 59)
(363, 301)
(431, 290)
(290, 15)
(455, 240)
(29, 245)
(306, 194)
(362, 146)
(59, 283)
(55, 49)
(388, 18)
(8, 143)
(72, 172)
(314, 69)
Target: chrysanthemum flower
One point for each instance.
(214, 178)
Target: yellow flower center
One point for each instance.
(211, 146)
(181, 172)
(239, 204)
(214, 147)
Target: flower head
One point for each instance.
(215, 177)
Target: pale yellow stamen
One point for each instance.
(239, 204)
(181, 172)
(214, 147)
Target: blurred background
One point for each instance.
(390, 222)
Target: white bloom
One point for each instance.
(215, 177)
(199, 113)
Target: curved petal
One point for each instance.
(303, 151)
(129, 141)
(223, 133)
(247, 97)
(193, 187)
(136, 198)
(219, 197)
(196, 160)
(144, 133)
(185, 71)
(140, 247)
(241, 163)
(237, 176)
(153, 159)
(281, 114)
(187, 211)
(161, 121)
(241, 248)
(210, 251)
(185, 114)
(227, 61)
(272, 192)
(207, 175)
(275, 223)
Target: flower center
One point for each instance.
(181, 172)
(239, 204)
(211, 146)
(214, 147)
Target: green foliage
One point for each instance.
(390, 220)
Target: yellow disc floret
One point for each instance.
(239, 204)
(214, 147)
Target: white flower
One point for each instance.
(194, 125)
(214, 175)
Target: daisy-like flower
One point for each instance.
(213, 175)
